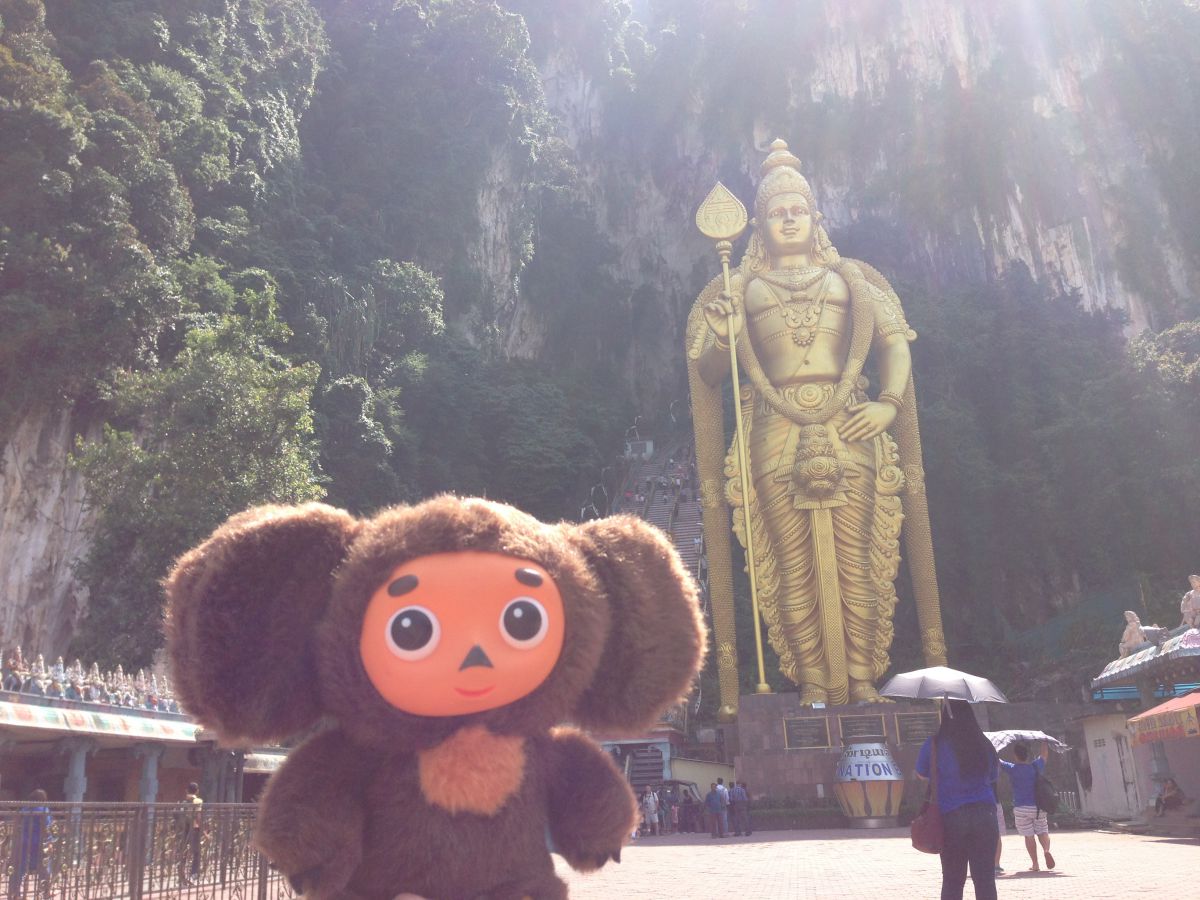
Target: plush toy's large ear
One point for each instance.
(242, 610)
(656, 641)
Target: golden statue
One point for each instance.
(826, 477)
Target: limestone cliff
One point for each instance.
(43, 532)
(945, 141)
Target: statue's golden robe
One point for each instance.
(826, 514)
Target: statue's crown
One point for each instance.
(780, 155)
(781, 175)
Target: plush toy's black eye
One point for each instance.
(413, 633)
(523, 623)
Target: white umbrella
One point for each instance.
(1001, 739)
(940, 682)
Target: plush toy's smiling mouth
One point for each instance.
(478, 693)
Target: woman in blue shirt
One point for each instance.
(966, 770)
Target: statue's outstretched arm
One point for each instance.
(714, 307)
(713, 364)
(895, 364)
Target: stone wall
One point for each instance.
(775, 771)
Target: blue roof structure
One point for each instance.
(1154, 660)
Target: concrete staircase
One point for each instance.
(675, 511)
(646, 767)
(688, 533)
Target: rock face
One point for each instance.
(43, 532)
(1032, 109)
(500, 247)
(965, 136)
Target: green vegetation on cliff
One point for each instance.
(236, 228)
(293, 248)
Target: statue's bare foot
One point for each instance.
(864, 692)
(813, 694)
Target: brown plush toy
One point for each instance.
(441, 644)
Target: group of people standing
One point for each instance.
(722, 804)
(664, 811)
(966, 768)
(670, 811)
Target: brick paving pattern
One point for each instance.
(799, 865)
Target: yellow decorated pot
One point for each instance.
(869, 785)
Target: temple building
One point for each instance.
(109, 737)
(1132, 755)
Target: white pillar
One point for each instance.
(75, 785)
(150, 755)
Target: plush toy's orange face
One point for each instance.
(458, 633)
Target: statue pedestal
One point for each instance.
(792, 752)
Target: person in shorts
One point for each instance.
(1032, 823)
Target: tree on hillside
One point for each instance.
(1057, 465)
(225, 426)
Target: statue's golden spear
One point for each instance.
(722, 218)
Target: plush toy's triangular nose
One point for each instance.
(476, 658)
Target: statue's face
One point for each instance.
(1194, 580)
(789, 225)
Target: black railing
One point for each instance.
(80, 851)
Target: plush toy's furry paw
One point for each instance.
(589, 862)
(547, 887)
(321, 882)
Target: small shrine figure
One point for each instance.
(14, 671)
(1133, 637)
(95, 691)
(36, 680)
(74, 689)
(150, 698)
(1136, 634)
(56, 678)
(1189, 606)
(169, 704)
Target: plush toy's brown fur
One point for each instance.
(263, 628)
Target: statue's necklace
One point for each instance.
(802, 312)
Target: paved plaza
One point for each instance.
(797, 865)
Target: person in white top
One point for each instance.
(650, 810)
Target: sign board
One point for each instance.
(1165, 726)
(262, 762)
(868, 762)
(806, 733)
(914, 728)
(861, 728)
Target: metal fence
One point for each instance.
(65, 851)
(1068, 801)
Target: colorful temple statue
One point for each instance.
(1189, 606)
(834, 463)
